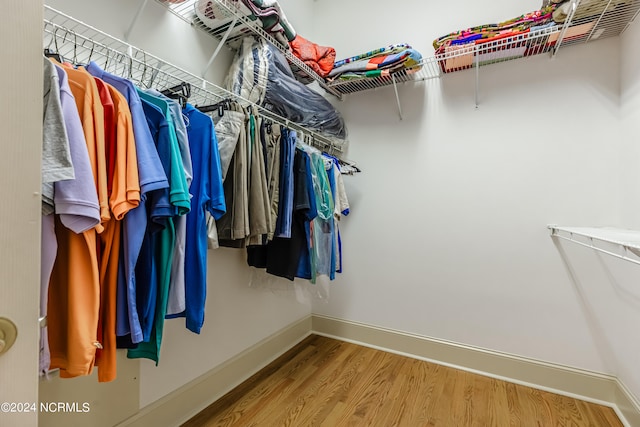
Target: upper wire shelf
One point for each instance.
(238, 26)
(580, 27)
(81, 43)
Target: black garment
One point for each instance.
(283, 255)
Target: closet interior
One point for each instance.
(80, 43)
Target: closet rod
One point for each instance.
(78, 41)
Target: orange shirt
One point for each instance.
(124, 196)
(74, 290)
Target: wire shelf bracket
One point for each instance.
(134, 21)
(563, 31)
(223, 40)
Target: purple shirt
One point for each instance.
(76, 200)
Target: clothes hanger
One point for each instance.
(107, 56)
(75, 45)
(50, 53)
(141, 82)
(180, 92)
(74, 60)
(221, 107)
(93, 46)
(130, 68)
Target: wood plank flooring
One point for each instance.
(330, 383)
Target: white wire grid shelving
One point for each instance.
(619, 243)
(614, 18)
(81, 43)
(238, 25)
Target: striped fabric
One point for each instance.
(394, 48)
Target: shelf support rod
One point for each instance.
(222, 42)
(567, 24)
(135, 20)
(395, 88)
(477, 59)
(630, 22)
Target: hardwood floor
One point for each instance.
(331, 383)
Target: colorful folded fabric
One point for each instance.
(319, 58)
(408, 58)
(511, 27)
(376, 73)
(395, 48)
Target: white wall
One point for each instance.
(630, 113)
(447, 236)
(618, 301)
(237, 316)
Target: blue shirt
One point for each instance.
(148, 279)
(285, 205)
(179, 190)
(152, 178)
(208, 195)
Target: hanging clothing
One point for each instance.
(259, 204)
(228, 128)
(233, 227)
(131, 180)
(56, 154)
(152, 268)
(152, 178)
(123, 188)
(74, 289)
(271, 135)
(72, 191)
(285, 202)
(176, 301)
(208, 196)
(285, 254)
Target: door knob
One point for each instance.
(8, 334)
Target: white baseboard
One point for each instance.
(586, 385)
(188, 400)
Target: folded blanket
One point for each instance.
(395, 48)
(512, 26)
(376, 73)
(319, 58)
(408, 58)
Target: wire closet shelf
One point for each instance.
(612, 18)
(81, 43)
(239, 26)
(619, 243)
